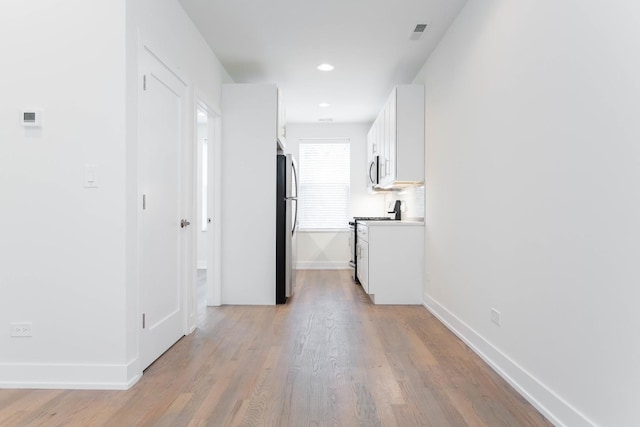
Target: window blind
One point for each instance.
(324, 184)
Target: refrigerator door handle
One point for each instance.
(295, 220)
(295, 178)
(295, 185)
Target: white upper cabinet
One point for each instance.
(397, 137)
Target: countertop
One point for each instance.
(392, 223)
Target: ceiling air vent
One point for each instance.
(325, 119)
(418, 31)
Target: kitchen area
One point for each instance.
(382, 236)
(385, 239)
(387, 252)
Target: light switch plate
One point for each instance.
(91, 176)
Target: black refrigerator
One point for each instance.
(286, 226)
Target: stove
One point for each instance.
(372, 218)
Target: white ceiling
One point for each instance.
(283, 41)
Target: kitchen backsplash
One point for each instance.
(412, 199)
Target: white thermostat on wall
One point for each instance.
(32, 118)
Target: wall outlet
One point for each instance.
(495, 316)
(21, 329)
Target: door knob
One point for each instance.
(184, 223)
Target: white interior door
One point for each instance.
(159, 156)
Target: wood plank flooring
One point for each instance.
(326, 358)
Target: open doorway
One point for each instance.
(203, 219)
(208, 192)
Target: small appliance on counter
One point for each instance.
(397, 210)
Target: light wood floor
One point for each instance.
(327, 358)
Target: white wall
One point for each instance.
(62, 252)
(532, 199)
(331, 249)
(249, 194)
(68, 253)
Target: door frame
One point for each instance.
(214, 209)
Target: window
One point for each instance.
(324, 184)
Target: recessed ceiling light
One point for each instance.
(324, 104)
(325, 67)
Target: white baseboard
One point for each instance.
(322, 265)
(552, 406)
(69, 376)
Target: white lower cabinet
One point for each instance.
(391, 262)
(363, 257)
